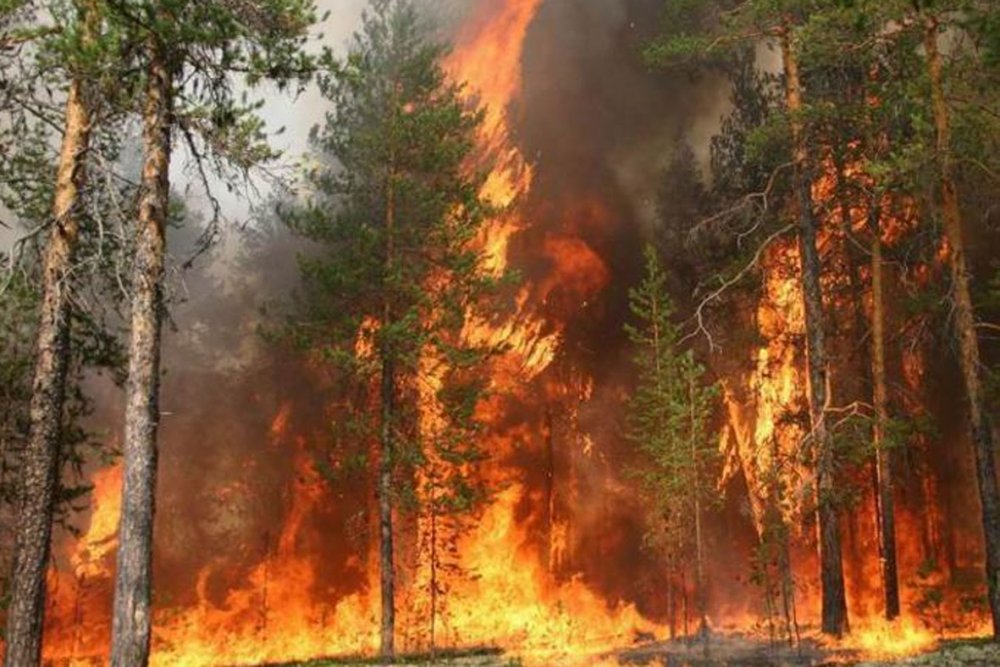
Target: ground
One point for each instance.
(966, 653)
(737, 651)
(729, 651)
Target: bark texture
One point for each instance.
(699, 542)
(130, 635)
(40, 468)
(386, 568)
(834, 601)
(387, 648)
(965, 326)
(886, 514)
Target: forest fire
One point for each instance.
(512, 601)
(558, 567)
(763, 442)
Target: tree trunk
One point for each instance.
(672, 596)
(684, 606)
(964, 327)
(40, 468)
(388, 400)
(555, 553)
(130, 634)
(386, 567)
(699, 547)
(886, 514)
(788, 607)
(832, 569)
(434, 573)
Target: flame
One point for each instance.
(880, 639)
(765, 410)
(101, 538)
(487, 56)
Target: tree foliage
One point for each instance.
(397, 283)
(669, 416)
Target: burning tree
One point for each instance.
(668, 420)
(397, 213)
(711, 34)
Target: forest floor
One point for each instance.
(741, 651)
(724, 651)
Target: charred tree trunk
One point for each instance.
(831, 563)
(965, 328)
(40, 468)
(131, 624)
(387, 648)
(886, 513)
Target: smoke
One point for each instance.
(594, 97)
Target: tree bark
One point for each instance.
(672, 595)
(386, 567)
(131, 624)
(387, 648)
(434, 571)
(885, 506)
(702, 599)
(964, 326)
(40, 468)
(831, 564)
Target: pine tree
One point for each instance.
(82, 50)
(397, 213)
(192, 56)
(668, 421)
(858, 109)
